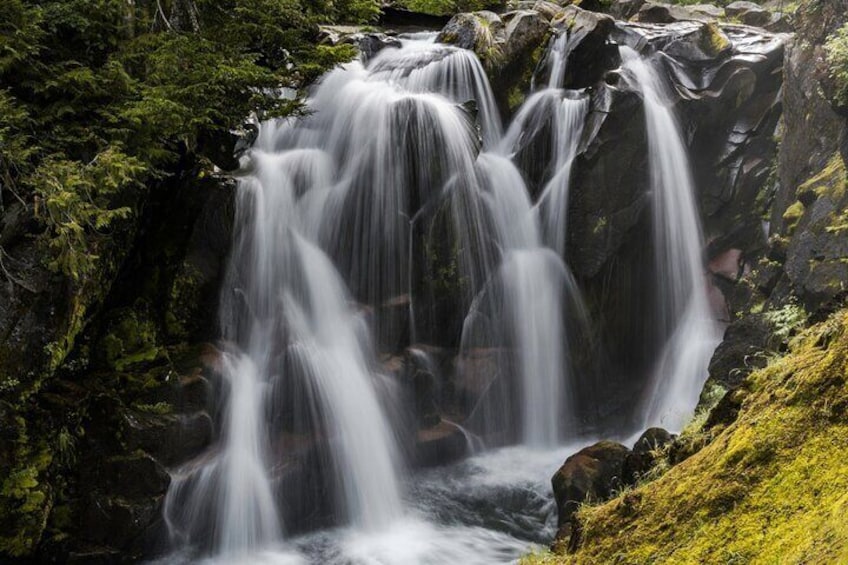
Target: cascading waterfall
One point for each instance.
(563, 113)
(685, 320)
(287, 314)
(335, 209)
(530, 296)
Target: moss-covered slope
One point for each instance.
(772, 487)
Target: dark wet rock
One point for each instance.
(224, 148)
(644, 455)
(476, 370)
(815, 262)
(173, 438)
(747, 343)
(481, 32)
(396, 16)
(780, 23)
(440, 444)
(95, 556)
(727, 83)
(194, 284)
(806, 216)
(133, 476)
(592, 53)
(370, 44)
(117, 522)
(625, 9)
(593, 473)
(659, 13)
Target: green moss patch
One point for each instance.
(769, 488)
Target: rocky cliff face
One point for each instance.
(725, 80)
(108, 387)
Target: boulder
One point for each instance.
(747, 341)
(525, 30)
(546, 9)
(370, 44)
(591, 52)
(660, 13)
(481, 32)
(710, 10)
(625, 9)
(748, 13)
(508, 46)
(440, 444)
(704, 43)
(593, 473)
(644, 454)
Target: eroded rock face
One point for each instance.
(726, 81)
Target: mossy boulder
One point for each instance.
(591, 474)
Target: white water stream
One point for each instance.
(326, 218)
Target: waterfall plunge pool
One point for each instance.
(491, 508)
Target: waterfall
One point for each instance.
(399, 180)
(684, 320)
(558, 58)
(286, 314)
(529, 299)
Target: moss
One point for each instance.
(792, 216)
(184, 296)
(600, 225)
(25, 497)
(160, 408)
(712, 40)
(830, 181)
(518, 93)
(131, 339)
(770, 488)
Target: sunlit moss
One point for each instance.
(770, 488)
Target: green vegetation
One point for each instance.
(449, 7)
(101, 98)
(768, 488)
(836, 49)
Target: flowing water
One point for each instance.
(391, 169)
(685, 321)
